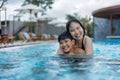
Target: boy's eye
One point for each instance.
(66, 41)
(61, 42)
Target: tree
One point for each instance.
(2, 3)
(44, 4)
(74, 16)
(86, 22)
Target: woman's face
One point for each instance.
(76, 31)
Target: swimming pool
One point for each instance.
(39, 62)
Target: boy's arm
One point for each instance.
(59, 51)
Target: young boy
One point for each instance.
(67, 44)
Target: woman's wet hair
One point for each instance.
(74, 20)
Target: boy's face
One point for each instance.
(66, 45)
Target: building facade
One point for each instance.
(107, 22)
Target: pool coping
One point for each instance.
(23, 43)
(113, 37)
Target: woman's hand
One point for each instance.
(78, 50)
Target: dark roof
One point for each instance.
(107, 12)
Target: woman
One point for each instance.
(77, 31)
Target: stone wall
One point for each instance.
(116, 24)
(102, 28)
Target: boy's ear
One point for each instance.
(73, 42)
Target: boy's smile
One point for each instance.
(66, 45)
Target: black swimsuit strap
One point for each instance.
(83, 44)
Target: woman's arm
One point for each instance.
(88, 45)
(78, 50)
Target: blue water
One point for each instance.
(40, 62)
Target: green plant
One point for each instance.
(17, 38)
(2, 3)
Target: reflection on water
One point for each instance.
(58, 67)
(62, 68)
(40, 62)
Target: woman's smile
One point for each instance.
(76, 31)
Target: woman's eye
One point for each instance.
(71, 30)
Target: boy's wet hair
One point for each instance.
(64, 35)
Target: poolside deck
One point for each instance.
(113, 37)
(20, 43)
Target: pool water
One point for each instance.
(40, 62)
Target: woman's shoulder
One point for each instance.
(87, 38)
(88, 45)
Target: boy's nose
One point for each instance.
(64, 44)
